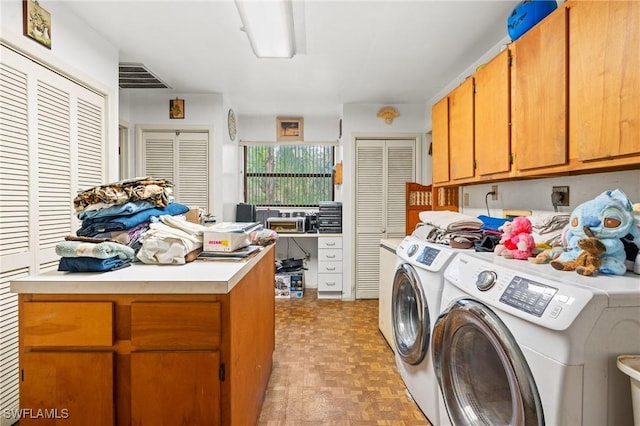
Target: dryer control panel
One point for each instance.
(528, 295)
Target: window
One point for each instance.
(288, 175)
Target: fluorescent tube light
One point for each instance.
(269, 27)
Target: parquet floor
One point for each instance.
(331, 366)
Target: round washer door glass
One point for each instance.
(410, 316)
(232, 125)
(483, 375)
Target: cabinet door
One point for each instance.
(440, 140)
(175, 388)
(492, 116)
(604, 76)
(461, 162)
(539, 117)
(74, 387)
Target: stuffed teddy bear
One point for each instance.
(505, 239)
(517, 241)
(608, 217)
(588, 261)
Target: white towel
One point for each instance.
(450, 221)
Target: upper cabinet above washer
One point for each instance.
(604, 80)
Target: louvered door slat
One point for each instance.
(192, 182)
(400, 169)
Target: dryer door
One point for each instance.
(483, 375)
(410, 315)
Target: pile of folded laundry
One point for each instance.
(115, 218)
(455, 229)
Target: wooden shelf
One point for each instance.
(420, 198)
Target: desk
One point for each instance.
(326, 274)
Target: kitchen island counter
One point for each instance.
(147, 344)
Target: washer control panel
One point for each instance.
(528, 295)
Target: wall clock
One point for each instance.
(232, 125)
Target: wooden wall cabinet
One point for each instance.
(149, 359)
(604, 82)
(492, 137)
(539, 116)
(440, 141)
(461, 149)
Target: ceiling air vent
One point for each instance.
(137, 76)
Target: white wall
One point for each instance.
(76, 50)
(360, 120)
(535, 194)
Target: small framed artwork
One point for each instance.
(176, 108)
(36, 22)
(289, 129)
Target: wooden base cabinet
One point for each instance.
(148, 359)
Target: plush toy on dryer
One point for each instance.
(516, 241)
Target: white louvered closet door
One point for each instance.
(52, 137)
(181, 157)
(382, 168)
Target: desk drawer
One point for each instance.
(330, 255)
(175, 325)
(329, 242)
(329, 282)
(67, 324)
(330, 267)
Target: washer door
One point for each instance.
(410, 315)
(483, 375)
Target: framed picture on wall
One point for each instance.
(36, 22)
(290, 129)
(176, 108)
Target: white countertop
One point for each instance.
(391, 243)
(198, 277)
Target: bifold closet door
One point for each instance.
(52, 143)
(382, 169)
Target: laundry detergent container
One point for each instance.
(526, 14)
(630, 365)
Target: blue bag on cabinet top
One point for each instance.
(527, 14)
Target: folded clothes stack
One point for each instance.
(83, 256)
(455, 229)
(122, 211)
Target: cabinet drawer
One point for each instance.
(329, 255)
(175, 325)
(329, 242)
(329, 282)
(67, 323)
(330, 267)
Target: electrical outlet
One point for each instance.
(560, 196)
(494, 189)
(465, 200)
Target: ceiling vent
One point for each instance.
(137, 76)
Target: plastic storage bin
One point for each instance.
(630, 365)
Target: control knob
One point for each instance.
(486, 280)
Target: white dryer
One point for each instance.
(415, 304)
(388, 264)
(523, 344)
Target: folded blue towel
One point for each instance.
(125, 209)
(492, 223)
(92, 227)
(91, 264)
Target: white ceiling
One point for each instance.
(355, 51)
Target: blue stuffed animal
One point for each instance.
(608, 217)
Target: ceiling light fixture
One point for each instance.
(269, 27)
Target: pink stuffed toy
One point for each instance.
(505, 239)
(518, 243)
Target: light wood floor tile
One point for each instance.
(332, 367)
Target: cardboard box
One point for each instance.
(283, 286)
(227, 236)
(194, 215)
(289, 285)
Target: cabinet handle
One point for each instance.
(330, 283)
(333, 268)
(332, 256)
(330, 244)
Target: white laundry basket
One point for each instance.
(630, 365)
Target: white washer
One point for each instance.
(388, 264)
(415, 304)
(523, 344)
